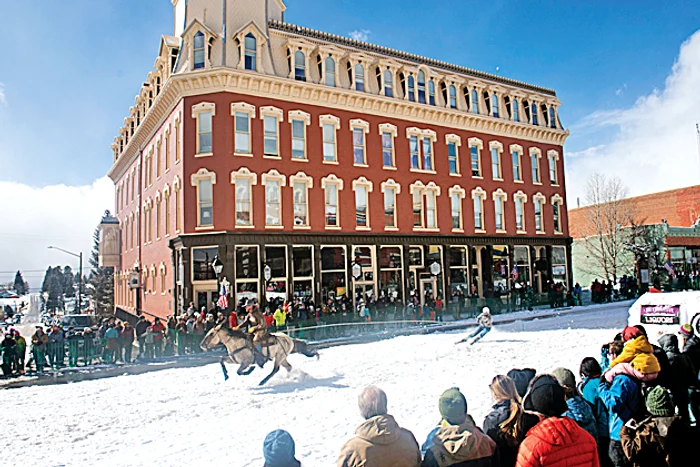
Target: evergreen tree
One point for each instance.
(19, 284)
(53, 285)
(101, 279)
(68, 281)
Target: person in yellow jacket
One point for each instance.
(280, 318)
(637, 359)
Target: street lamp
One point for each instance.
(80, 274)
(218, 267)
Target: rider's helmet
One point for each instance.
(486, 310)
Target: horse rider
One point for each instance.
(258, 327)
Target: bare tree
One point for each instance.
(604, 227)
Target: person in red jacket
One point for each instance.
(233, 320)
(555, 441)
(158, 329)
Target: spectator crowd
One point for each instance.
(636, 405)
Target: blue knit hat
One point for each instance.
(278, 449)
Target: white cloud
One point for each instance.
(3, 100)
(63, 216)
(655, 143)
(360, 34)
(620, 91)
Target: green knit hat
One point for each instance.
(453, 406)
(659, 403)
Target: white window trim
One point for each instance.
(300, 115)
(335, 122)
(504, 196)
(458, 190)
(390, 183)
(421, 135)
(309, 181)
(393, 131)
(498, 146)
(479, 144)
(539, 196)
(178, 138)
(203, 174)
(243, 172)
(432, 187)
(364, 126)
(522, 196)
(480, 193)
(457, 140)
(331, 179)
(555, 155)
(270, 111)
(519, 150)
(538, 152)
(557, 199)
(282, 181)
(198, 109)
(362, 181)
(243, 107)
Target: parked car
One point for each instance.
(78, 321)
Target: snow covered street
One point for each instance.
(192, 416)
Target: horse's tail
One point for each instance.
(303, 348)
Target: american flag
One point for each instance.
(515, 272)
(669, 268)
(223, 297)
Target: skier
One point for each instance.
(485, 322)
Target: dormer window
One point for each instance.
(411, 88)
(251, 54)
(330, 71)
(359, 77)
(299, 66)
(388, 83)
(199, 50)
(421, 87)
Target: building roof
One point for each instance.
(679, 207)
(334, 38)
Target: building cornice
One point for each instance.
(417, 59)
(216, 80)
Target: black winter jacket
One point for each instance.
(506, 453)
(683, 373)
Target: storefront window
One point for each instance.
(333, 273)
(521, 270)
(276, 259)
(500, 269)
(247, 273)
(459, 272)
(559, 264)
(303, 272)
(415, 256)
(201, 263)
(390, 274)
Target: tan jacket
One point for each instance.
(485, 320)
(456, 444)
(380, 442)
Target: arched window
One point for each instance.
(251, 52)
(359, 77)
(388, 83)
(533, 113)
(431, 92)
(411, 88)
(552, 118)
(475, 101)
(494, 104)
(330, 71)
(453, 97)
(421, 87)
(198, 50)
(299, 66)
(516, 110)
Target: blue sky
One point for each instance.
(74, 67)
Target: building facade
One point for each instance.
(670, 219)
(335, 166)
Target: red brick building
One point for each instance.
(344, 167)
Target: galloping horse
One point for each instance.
(240, 350)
